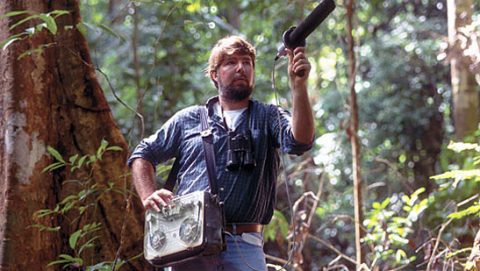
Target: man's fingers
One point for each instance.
(158, 199)
(301, 66)
(149, 203)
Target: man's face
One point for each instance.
(235, 77)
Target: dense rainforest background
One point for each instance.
(392, 182)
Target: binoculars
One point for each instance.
(240, 153)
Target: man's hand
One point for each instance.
(144, 181)
(158, 199)
(302, 117)
(298, 68)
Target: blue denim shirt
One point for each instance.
(249, 196)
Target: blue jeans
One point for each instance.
(244, 253)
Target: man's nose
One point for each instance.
(240, 67)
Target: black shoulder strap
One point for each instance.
(207, 138)
(172, 176)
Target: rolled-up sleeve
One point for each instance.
(281, 126)
(162, 145)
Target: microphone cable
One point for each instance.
(284, 171)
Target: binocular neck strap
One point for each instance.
(207, 138)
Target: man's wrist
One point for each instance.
(299, 90)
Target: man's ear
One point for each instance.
(213, 76)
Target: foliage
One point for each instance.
(390, 225)
(154, 52)
(46, 21)
(472, 175)
(75, 206)
(461, 184)
(277, 228)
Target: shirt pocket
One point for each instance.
(192, 141)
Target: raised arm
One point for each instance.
(302, 116)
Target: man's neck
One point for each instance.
(233, 105)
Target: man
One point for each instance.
(246, 186)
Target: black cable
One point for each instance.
(282, 158)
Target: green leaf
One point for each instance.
(458, 252)
(476, 160)
(415, 194)
(400, 255)
(55, 154)
(53, 166)
(58, 12)
(7, 42)
(397, 238)
(67, 207)
(33, 51)
(111, 32)
(92, 227)
(461, 146)
(74, 238)
(73, 159)
(81, 161)
(43, 212)
(82, 28)
(69, 199)
(91, 159)
(278, 225)
(58, 262)
(65, 258)
(458, 175)
(15, 13)
(82, 209)
(103, 266)
(385, 203)
(50, 22)
(472, 210)
(46, 228)
(114, 148)
(88, 244)
(24, 21)
(101, 149)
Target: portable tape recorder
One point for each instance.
(190, 226)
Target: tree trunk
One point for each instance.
(352, 131)
(233, 13)
(136, 65)
(464, 87)
(424, 151)
(52, 98)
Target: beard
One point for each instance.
(234, 93)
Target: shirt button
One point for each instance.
(221, 189)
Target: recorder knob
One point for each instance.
(189, 230)
(158, 239)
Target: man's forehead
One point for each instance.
(237, 55)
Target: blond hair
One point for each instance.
(225, 47)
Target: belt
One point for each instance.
(242, 228)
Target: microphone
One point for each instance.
(296, 36)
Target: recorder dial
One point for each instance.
(189, 230)
(158, 239)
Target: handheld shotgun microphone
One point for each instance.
(296, 36)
